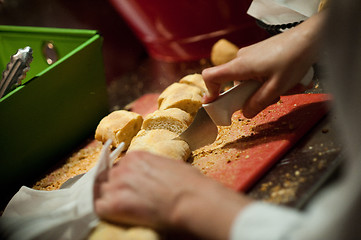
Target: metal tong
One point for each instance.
(16, 70)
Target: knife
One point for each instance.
(204, 131)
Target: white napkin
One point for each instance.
(60, 214)
(283, 11)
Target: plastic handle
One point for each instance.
(221, 110)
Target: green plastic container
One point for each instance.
(57, 107)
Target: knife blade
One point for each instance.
(203, 130)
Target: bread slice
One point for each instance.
(161, 142)
(223, 51)
(183, 96)
(195, 80)
(120, 126)
(172, 119)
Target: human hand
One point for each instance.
(279, 62)
(154, 191)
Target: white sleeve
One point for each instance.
(335, 212)
(324, 217)
(260, 221)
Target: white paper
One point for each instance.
(60, 214)
(283, 11)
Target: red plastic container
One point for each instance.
(179, 30)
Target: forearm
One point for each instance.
(309, 36)
(210, 211)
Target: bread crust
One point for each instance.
(223, 51)
(119, 126)
(172, 119)
(108, 231)
(161, 142)
(182, 96)
(195, 80)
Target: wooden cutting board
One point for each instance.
(246, 149)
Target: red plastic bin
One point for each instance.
(187, 29)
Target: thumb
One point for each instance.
(215, 77)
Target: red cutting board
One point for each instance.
(245, 150)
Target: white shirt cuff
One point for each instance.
(264, 221)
